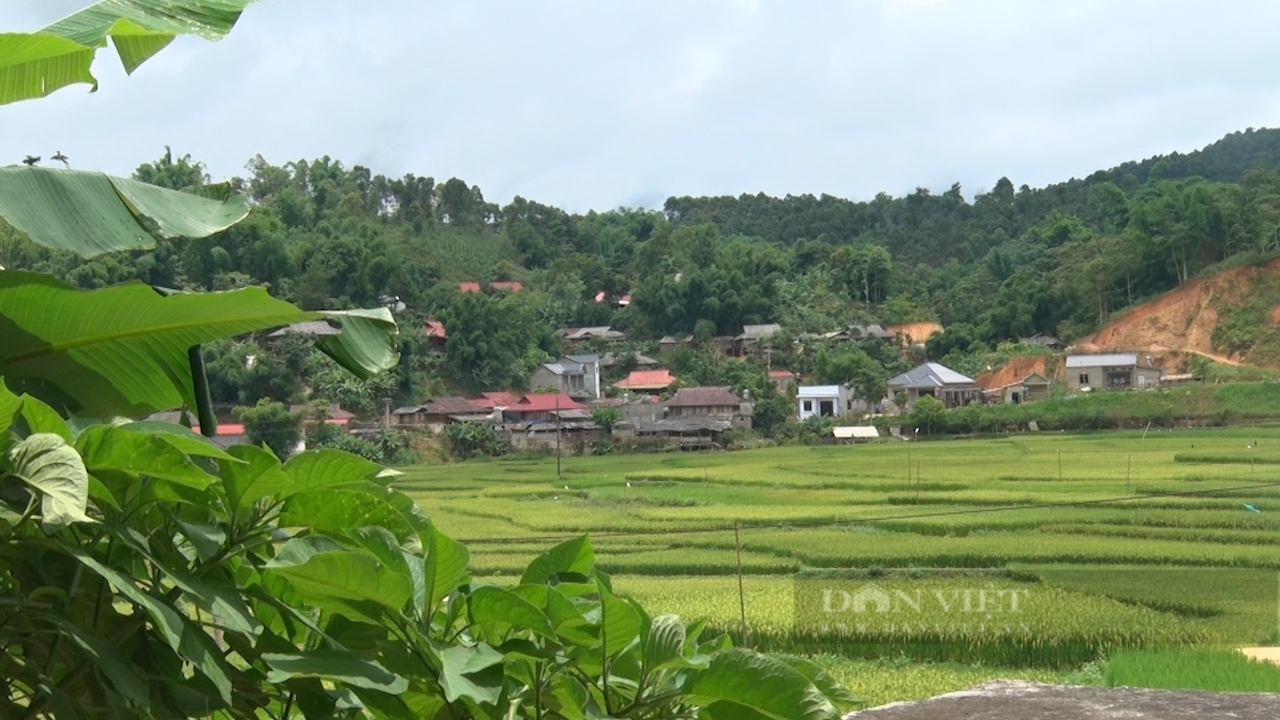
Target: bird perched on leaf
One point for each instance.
(31, 160)
(61, 158)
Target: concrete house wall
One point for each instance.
(1119, 371)
(823, 401)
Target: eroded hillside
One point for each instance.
(1230, 317)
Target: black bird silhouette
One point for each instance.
(31, 160)
(61, 158)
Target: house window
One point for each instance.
(1084, 378)
(808, 406)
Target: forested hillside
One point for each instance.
(992, 266)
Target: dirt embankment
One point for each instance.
(1180, 322)
(1012, 372)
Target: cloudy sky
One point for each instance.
(592, 105)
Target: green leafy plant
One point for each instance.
(312, 589)
(469, 439)
(36, 64)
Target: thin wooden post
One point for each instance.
(557, 436)
(742, 595)
(918, 464)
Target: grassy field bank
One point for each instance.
(1107, 541)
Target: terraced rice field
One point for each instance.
(1107, 541)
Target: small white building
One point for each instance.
(854, 433)
(823, 401)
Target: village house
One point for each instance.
(859, 333)
(495, 399)
(332, 414)
(671, 342)
(752, 335)
(936, 380)
(575, 375)
(542, 407)
(646, 381)
(1019, 380)
(639, 360)
(1043, 340)
(438, 412)
(823, 401)
(717, 402)
(573, 337)
(783, 379)
(437, 337)
(574, 433)
(1111, 371)
(618, 301)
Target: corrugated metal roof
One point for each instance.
(759, 332)
(861, 432)
(813, 391)
(1102, 360)
(929, 375)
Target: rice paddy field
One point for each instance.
(915, 568)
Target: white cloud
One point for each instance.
(593, 105)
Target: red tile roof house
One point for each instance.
(646, 381)
(437, 336)
(782, 378)
(541, 407)
(491, 400)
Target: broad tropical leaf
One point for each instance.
(366, 345)
(740, 683)
(121, 350)
(90, 213)
(48, 464)
(33, 65)
(572, 557)
(445, 567)
(334, 665)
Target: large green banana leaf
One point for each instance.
(33, 65)
(123, 350)
(91, 213)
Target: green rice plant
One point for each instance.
(886, 680)
(1239, 459)
(834, 548)
(1242, 537)
(1218, 669)
(1230, 604)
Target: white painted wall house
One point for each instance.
(823, 401)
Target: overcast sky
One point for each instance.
(593, 105)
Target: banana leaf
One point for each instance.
(91, 213)
(123, 350)
(33, 65)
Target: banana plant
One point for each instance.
(33, 65)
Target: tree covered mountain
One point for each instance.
(993, 267)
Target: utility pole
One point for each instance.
(557, 436)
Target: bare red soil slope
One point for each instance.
(1180, 322)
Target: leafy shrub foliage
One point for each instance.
(147, 573)
(469, 439)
